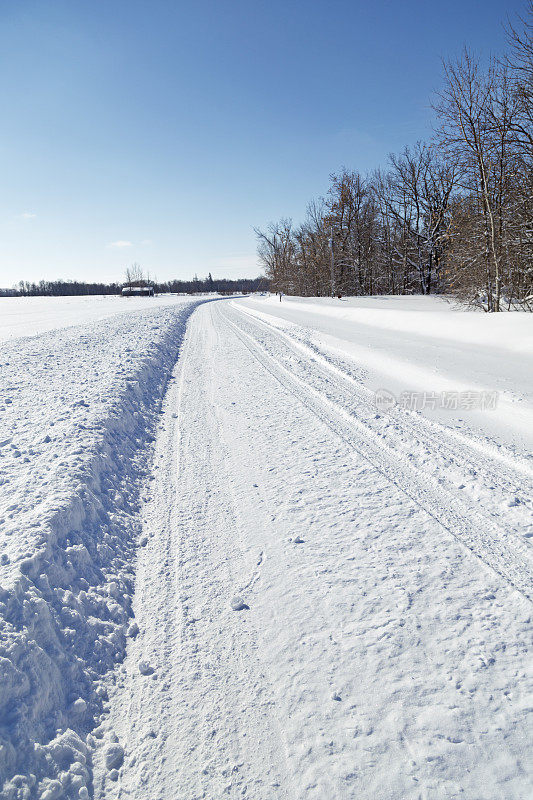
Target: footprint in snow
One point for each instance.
(238, 604)
(133, 630)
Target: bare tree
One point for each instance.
(135, 276)
(415, 195)
(453, 214)
(277, 253)
(467, 110)
(519, 63)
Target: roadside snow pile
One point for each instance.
(78, 410)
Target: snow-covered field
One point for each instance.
(226, 572)
(28, 316)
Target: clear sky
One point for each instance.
(162, 132)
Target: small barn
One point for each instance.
(137, 291)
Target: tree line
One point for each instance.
(454, 214)
(61, 288)
(218, 285)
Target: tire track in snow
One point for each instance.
(504, 469)
(508, 556)
(188, 728)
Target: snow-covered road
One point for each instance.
(330, 602)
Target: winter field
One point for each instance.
(263, 549)
(28, 316)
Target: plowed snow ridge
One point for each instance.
(78, 409)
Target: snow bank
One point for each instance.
(78, 408)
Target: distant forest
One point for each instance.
(62, 288)
(453, 214)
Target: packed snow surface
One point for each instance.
(227, 572)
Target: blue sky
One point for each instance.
(162, 132)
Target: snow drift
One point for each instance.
(79, 409)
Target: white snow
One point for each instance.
(226, 573)
(386, 656)
(28, 316)
(74, 454)
(424, 344)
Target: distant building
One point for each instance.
(137, 291)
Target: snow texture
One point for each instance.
(423, 344)
(225, 573)
(387, 655)
(78, 411)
